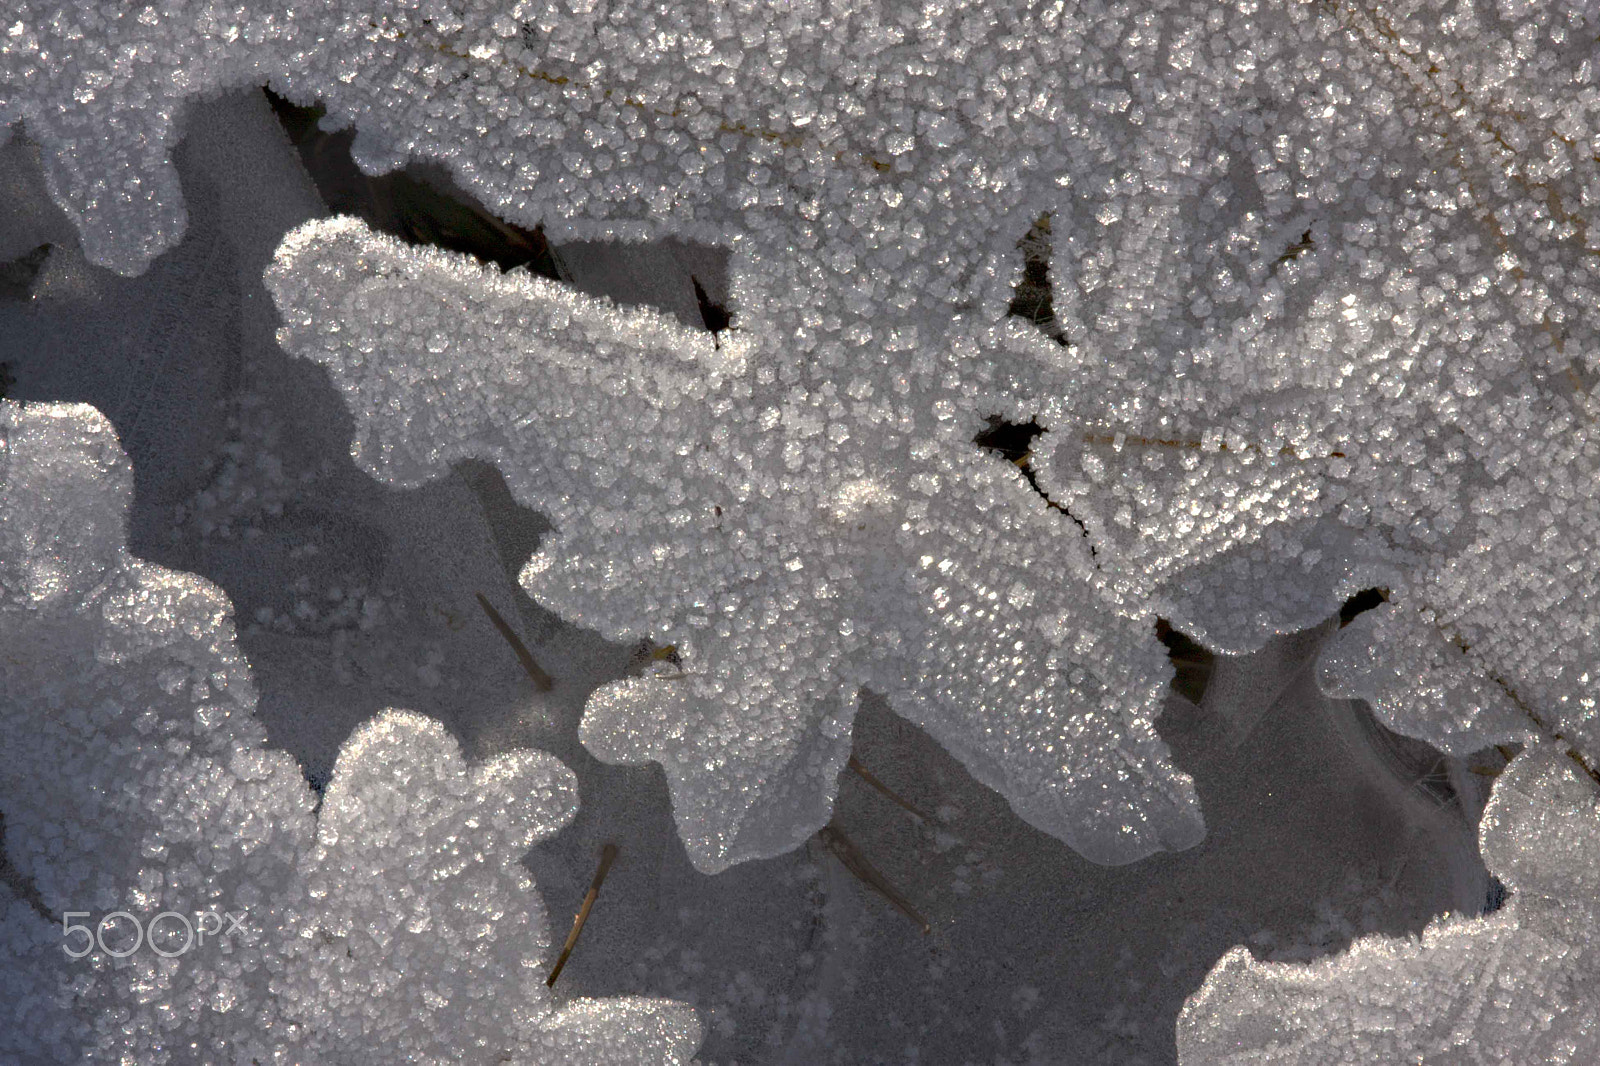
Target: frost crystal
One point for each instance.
(1519, 985)
(1324, 275)
(393, 923)
(793, 543)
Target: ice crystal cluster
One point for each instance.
(1323, 272)
(1323, 296)
(393, 922)
(794, 545)
(1519, 985)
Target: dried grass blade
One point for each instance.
(848, 854)
(608, 855)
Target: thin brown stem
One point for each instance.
(868, 776)
(541, 679)
(847, 853)
(608, 855)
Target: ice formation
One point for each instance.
(1521, 984)
(793, 545)
(392, 922)
(1324, 272)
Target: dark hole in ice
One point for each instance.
(1191, 662)
(317, 778)
(1365, 600)
(714, 315)
(1010, 439)
(6, 380)
(420, 204)
(1497, 895)
(17, 275)
(1034, 299)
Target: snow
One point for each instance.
(1517, 985)
(388, 921)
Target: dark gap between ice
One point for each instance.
(713, 315)
(1191, 663)
(1013, 441)
(1298, 248)
(1361, 602)
(421, 204)
(1034, 299)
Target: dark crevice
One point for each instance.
(714, 315)
(419, 204)
(1034, 299)
(1365, 600)
(6, 380)
(1497, 895)
(1014, 442)
(1298, 248)
(1191, 663)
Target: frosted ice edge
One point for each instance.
(1518, 985)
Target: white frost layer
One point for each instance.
(795, 544)
(1519, 985)
(1317, 288)
(1326, 274)
(1420, 683)
(395, 923)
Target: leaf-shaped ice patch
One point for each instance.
(795, 542)
(424, 940)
